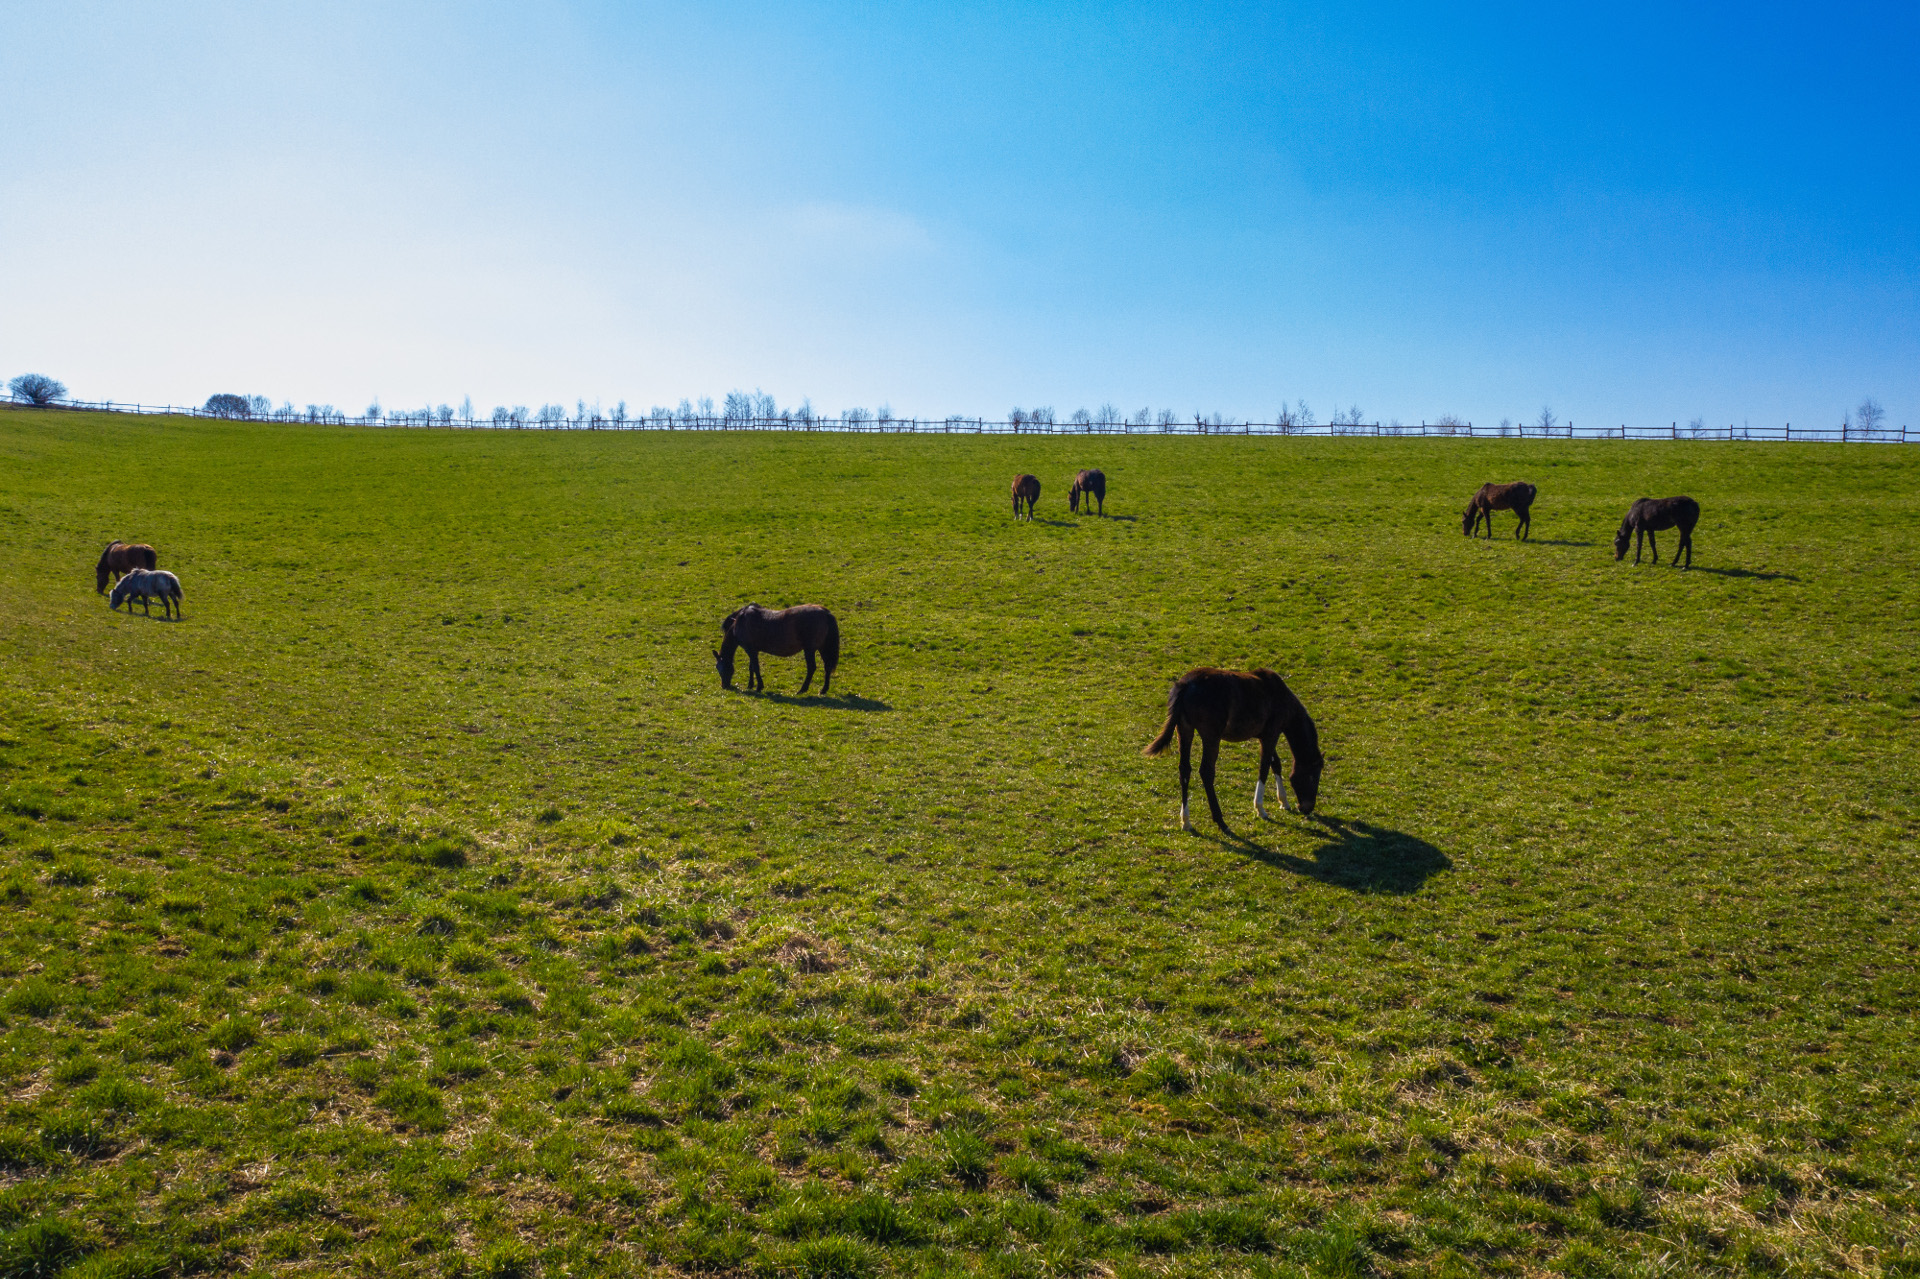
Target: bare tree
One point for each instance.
(1040, 417)
(1303, 412)
(736, 409)
(885, 416)
(501, 416)
(1165, 420)
(1449, 420)
(37, 388)
(1506, 426)
(1869, 416)
(1144, 417)
(1016, 418)
(227, 405)
(1107, 416)
(1546, 421)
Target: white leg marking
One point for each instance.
(1259, 798)
(1183, 816)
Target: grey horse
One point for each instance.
(148, 584)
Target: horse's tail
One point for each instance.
(830, 646)
(1159, 743)
(151, 556)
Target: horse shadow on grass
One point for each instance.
(1745, 572)
(1556, 541)
(830, 702)
(1356, 855)
(1055, 523)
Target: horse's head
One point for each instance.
(723, 656)
(1467, 520)
(1622, 540)
(1303, 742)
(121, 589)
(1305, 778)
(100, 575)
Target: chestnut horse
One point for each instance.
(1517, 498)
(1092, 485)
(1651, 513)
(1240, 706)
(120, 558)
(781, 632)
(1026, 488)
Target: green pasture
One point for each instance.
(419, 904)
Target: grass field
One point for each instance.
(420, 904)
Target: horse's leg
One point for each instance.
(1653, 545)
(809, 679)
(1186, 773)
(1639, 536)
(1209, 755)
(1686, 544)
(1267, 761)
(753, 670)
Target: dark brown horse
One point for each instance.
(1652, 513)
(121, 558)
(1026, 488)
(1517, 498)
(782, 632)
(1091, 485)
(1240, 706)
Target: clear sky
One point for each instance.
(1633, 213)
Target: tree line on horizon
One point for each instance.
(741, 408)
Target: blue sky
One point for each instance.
(1639, 215)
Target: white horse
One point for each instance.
(148, 584)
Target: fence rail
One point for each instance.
(1843, 434)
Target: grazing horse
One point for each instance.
(1091, 485)
(1026, 488)
(781, 632)
(120, 558)
(148, 584)
(1649, 514)
(1517, 498)
(1239, 706)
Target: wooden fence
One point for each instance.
(1842, 434)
